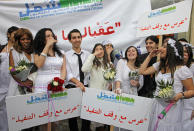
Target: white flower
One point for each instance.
(55, 83)
(109, 74)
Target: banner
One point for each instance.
(36, 109)
(98, 20)
(125, 111)
(167, 20)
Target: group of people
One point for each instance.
(82, 69)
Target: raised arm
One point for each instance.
(144, 69)
(40, 59)
(87, 66)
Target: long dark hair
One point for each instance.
(137, 63)
(40, 42)
(190, 54)
(171, 60)
(96, 62)
(17, 45)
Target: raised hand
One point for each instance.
(97, 52)
(51, 41)
(109, 49)
(154, 53)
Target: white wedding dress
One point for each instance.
(173, 119)
(188, 124)
(50, 69)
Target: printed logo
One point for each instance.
(116, 99)
(44, 97)
(53, 8)
(162, 11)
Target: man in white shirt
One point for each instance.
(75, 77)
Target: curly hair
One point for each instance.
(171, 60)
(96, 62)
(40, 42)
(137, 62)
(17, 45)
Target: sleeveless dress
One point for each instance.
(173, 119)
(188, 124)
(4, 80)
(13, 86)
(50, 69)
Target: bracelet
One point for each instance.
(43, 54)
(183, 95)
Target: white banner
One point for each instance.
(98, 20)
(126, 111)
(36, 109)
(167, 20)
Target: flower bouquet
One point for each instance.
(23, 70)
(134, 75)
(56, 85)
(165, 90)
(109, 74)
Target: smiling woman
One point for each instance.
(128, 79)
(170, 68)
(22, 50)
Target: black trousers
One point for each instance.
(73, 126)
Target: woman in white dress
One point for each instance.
(129, 64)
(22, 50)
(5, 76)
(124, 83)
(169, 68)
(96, 64)
(188, 112)
(49, 59)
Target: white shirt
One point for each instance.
(72, 65)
